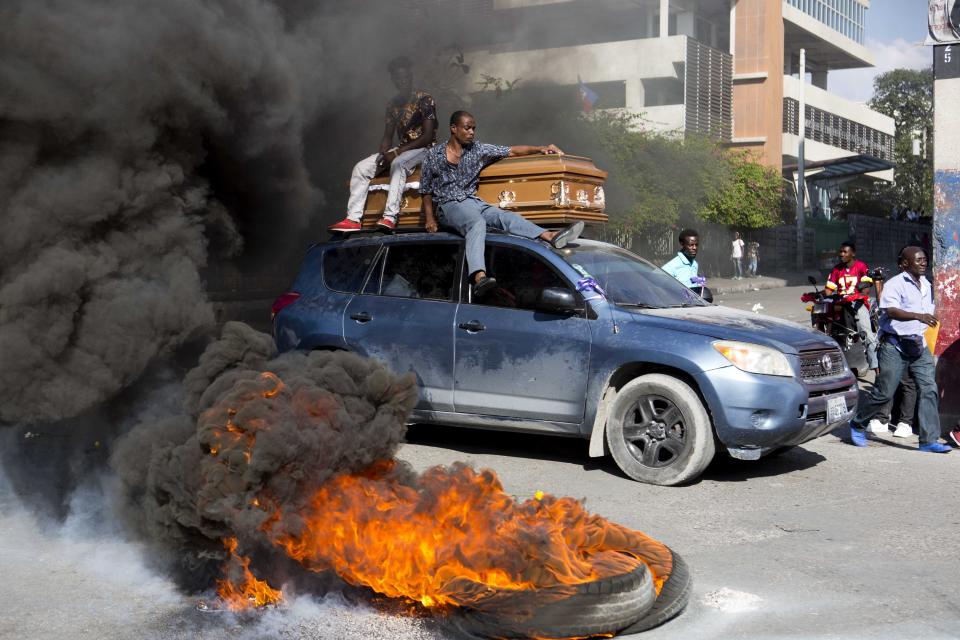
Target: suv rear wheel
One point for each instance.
(659, 431)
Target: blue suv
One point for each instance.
(589, 341)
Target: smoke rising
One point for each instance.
(142, 140)
(263, 435)
(137, 135)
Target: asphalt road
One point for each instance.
(823, 541)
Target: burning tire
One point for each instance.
(599, 607)
(672, 600)
(659, 431)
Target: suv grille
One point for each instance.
(822, 363)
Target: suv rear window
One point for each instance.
(345, 267)
(420, 270)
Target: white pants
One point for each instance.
(363, 172)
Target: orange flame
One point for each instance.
(248, 591)
(447, 537)
(458, 535)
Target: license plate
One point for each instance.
(836, 407)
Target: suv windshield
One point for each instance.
(628, 279)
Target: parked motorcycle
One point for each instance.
(836, 316)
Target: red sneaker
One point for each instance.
(345, 226)
(386, 224)
(955, 436)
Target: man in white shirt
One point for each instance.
(736, 254)
(907, 310)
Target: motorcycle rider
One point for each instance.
(849, 277)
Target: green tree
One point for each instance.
(906, 95)
(751, 197)
(657, 179)
(654, 179)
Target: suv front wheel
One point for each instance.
(659, 431)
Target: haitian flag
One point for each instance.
(587, 96)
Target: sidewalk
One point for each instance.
(729, 285)
(776, 281)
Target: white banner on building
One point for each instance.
(943, 22)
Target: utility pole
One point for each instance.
(801, 181)
(946, 224)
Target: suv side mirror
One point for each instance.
(556, 300)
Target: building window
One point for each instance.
(610, 95)
(658, 92)
(843, 16)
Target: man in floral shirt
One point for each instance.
(412, 115)
(448, 182)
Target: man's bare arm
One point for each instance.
(529, 150)
(387, 137)
(429, 219)
(900, 314)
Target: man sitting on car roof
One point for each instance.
(412, 115)
(448, 180)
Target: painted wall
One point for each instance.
(946, 249)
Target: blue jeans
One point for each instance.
(737, 267)
(471, 217)
(870, 338)
(892, 364)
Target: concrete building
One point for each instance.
(725, 68)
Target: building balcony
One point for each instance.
(834, 39)
(835, 127)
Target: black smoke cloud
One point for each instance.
(136, 137)
(142, 141)
(260, 432)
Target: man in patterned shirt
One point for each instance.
(449, 181)
(412, 115)
(847, 278)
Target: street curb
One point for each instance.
(748, 284)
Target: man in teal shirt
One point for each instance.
(684, 266)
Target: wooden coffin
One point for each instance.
(549, 190)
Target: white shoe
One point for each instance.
(875, 426)
(903, 430)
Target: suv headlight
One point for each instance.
(754, 358)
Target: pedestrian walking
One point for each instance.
(906, 310)
(904, 404)
(753, 258)
(736, 255)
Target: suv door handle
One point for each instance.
(473, 326)
(361, 317)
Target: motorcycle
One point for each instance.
(836, 316)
